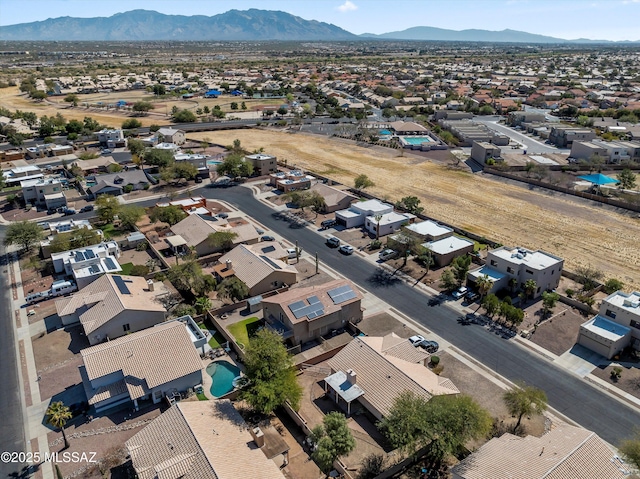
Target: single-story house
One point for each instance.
(356, 214)
(444, 250)
(95, 165)
(201, 440)
(114, 306)
(376, 370)
(259, 272)
(304, 314)
(387, 223)
(334, 198)
(117, 183)
(427, 230)
(565, 452)
(145, 365)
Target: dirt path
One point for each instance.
(582, 234)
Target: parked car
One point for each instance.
(472, 296)
(267, 238)
(223, 215)
(44, 225)
(333, 242)
(346, 249)
(460, 292)
(293, 254)
(416, 339)
(429, 346)
(69, 212)
(106, 152)
(328, 224)
(86, 208)
(198, 179)
(386, 254)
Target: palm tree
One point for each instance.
(57, 415)
(523, 400)
(484, 285)
(530, 287)
(377, 218)
(513, 282)
(202, 304)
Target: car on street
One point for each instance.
(86, 208)
(386, 254)
(328, 224)
(333, 242)
(69, 212)
(416, 339)
(346, 249)
(429, 346)
(267, 238)
(460, 292)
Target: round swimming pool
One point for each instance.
(222, 375)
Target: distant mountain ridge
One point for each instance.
(240, 25)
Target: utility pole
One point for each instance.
(317, 262)
(297, 253)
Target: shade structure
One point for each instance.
(598, 179)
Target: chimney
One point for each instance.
(150, 285)
(258, 436)
(229, 264)
(352, 377)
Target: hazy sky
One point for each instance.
(595, 19)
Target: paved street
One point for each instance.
(532, 145)
(567, 393)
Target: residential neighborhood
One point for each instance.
(370, 258)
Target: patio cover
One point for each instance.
(175, 241)
(598, 179)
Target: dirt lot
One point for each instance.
(629, 382)
(382, 324)
(559, 333)
(580, 233)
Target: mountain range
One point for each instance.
(237, 25)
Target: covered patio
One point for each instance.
(344, 387)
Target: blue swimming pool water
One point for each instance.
(417, 140)
(222, 374)
(213, 162)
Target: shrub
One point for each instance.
(435, 360)
(142, 246)
(616, 373)
(569, 292)
(375, 244)
(147, 186)
(139, 270)
(128, 188)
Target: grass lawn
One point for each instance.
(217, 340)
(126, 268)
(202, 397)
(244, 329)
(111, 231)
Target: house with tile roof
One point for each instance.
(118, 183)
(143, 366)
(376, 370)
(334, 199)
(258, 271)
(304, 314)
(200, 440)
(565, 452)
(114, 305)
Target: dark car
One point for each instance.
(223, 215)
(328, 224)
(472, 296)
(267, 238)
(86, 208)
(429, 346)
(69, 212)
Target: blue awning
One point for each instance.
(598, 179)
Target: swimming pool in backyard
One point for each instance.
(222, 375)
(417, 140)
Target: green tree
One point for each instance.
(183, 116)
(159, 90)
(234, 105)
(107, 207)
(530, 288)
(362, 181)
(188, 277)
(90, 124)
(202, 304)
(371, 466)
(171, 214)
(333, 439)
(142, 106)
(74, 239)
(157, 157)
(131, 123)
(235, 166)
(444, 423)
(305, 199)
(588, 277)
(272, 375)
(74, 126)
(72, 98)
(524, 400)
(410, 204)
(57, 415)
(549, 301)
(484, 285)
(630, 449)
(184, 170)
(233, 289)
(448, 280)
(221, 239)
(114, 168)
(627, 179)
(38, 95)
(129, 215)
(23, 233)
(612, 285)
(491, 304)
(460, 266)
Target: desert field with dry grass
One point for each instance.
(583, 234)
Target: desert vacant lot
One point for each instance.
(583, 234)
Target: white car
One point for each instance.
(415, 340)
(387, 254)
(292, 254)
(460, 292)
(346, 249)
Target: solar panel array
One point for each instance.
(341, 294)
(311, 311)
(122, 284)
(89, 254)
(110, 264)
(271, 262)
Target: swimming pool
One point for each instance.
(222, 375)
(417, 140)
(213, 162)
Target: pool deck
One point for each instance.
(206, 379)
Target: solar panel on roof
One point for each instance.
(270, 262)
(313, 299)
(89, 254)
(94, 269)
(341, 294)
(109, 263)
(122, 284)
(79, 256)
(297, 305)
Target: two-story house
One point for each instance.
(45, 192)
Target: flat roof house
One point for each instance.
(45, 192)
(145, 365)
(444, 250)
(521, 264)
(564, 136)
(263, 164)
(565, 452)
(357, 213)
(387, 223)
(290, 181)
(481, 151)
(304, 314)
(376, 370)
(201, 440)
(22, 173)
(259, 272)
(87, 263)
(111, 137)
(616, 326)
(113, 306)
